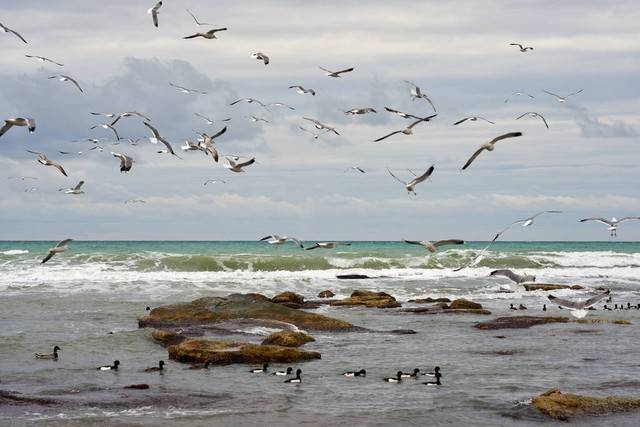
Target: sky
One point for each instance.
(458, 52)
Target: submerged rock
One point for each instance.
(228, 352)
(561, 406)
(167, 338)
(137, 386)
(368, 299)
(289, 299)
(288, 339)
(445, 310)
(462, 303)
(596, 320)
(326, 294)
(429, 300)
(549, 287)
(519, 322)
(14, 398)
(352, 276)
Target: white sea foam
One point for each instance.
(14, 252)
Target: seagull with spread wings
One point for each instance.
(43, 59)
(406, 131)
(472, 119)
(579, 309)
(526, 222)
(562, 98)
(274, 239)
(233, 166)
(518, 94)
(301, 90)
(336, 74)
(64, 78)
(9, 30)
(516, 278)
(433, 247)
(73, 190)
(59, 248)
(156, 137)
(612, 223)
(326, 245)
(18, 121)
(208, 120)
(410, 186)
(154, 11)
(320, 126)
(186, 90)
(490, 146)
(522, 47)
(126, 162)
(249, 101)
(43, 160)
(401, 114)
(416, 93)
(211, 34)
(533, 114)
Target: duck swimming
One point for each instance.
(411, 375)
(436, 382)
(396, 379)
(158, 368)
(360, 373)
(436, 371)
(49, 356)
(113, 367)
(260, 370)
(297, 379)
(289, 371)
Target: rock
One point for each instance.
(593, 320)
(228, 352)
(519, 322)
(167, 338)
(368, 299)
(429, 300)
(403, 332)
(548, 287)
(137, 386)
(316, 303)
(465, 304)
(288, 339)
(439, 310)
(352, 276)
(562, 406)
(326, 294)
(14, 398)
(212, 310)
(288, 298)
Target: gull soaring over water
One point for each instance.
(59, 248)
(562, 98)
(9, 30)
(43, 160)
(529, 221)
(326, 245)
(516, 278)
(612, 223)
(19, 121)
(578, 309)
(301, 90)
(533, 114)
(336, 74)
(44, 59)
(410, 186)
(406, 131)
(433, 247)
(489, 146)
(274, 239)
(64, 78)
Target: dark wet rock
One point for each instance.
(326, 294)
(403, 332)
(137, 386)
(228, 352)
(548, 287)
(500, 337)
(288, 339)
(14, 398)
(258, 297)
(316, 303)
(562, 406)
(289, 299)
(352, 276)
(368, 299)
(519, 322)
(462, 303)
(429, 300)
(212, 310)
(445, 310)
(167, 338)
(598, 320)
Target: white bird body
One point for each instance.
(613, 223)
(277, 240)
(233, 166)
(59, 248)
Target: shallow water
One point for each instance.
(87, 300)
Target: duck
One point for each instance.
(436, 371)
(113, 367)
(297, 379)
(289, 371)
(436, 382)
(522, 307)
(260, 370)
(511, 307)
(360, 373)
(50, 356)
(415, 373)
(204, 365)
(396, 379)
(544, 307)
(606, 308)
(158, 368)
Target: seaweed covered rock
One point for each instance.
(288, 339)
(445, 310)
(429, 300)
(549, 287)
(368, 299)
(326, 294)
(519, 322)
(560, 406)
(464, 304)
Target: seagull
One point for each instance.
(60, 247)
(401, 114)
(191, 146)
(359, 111)
(522, 48)
(64, 78)
(480, 255)
(562, 98)
(43, 59)
(432, 247)
(126, 162)
(18, 121)
(248, 101)
(9, 30)
(613, 223)
(156, 137)
(30, 190)
(211, 34)
(301, 90)
(408, 130)
(529, 221)
(154, 11)
(208, 141)
(489, 146)
(533, 114)
(134, 201)
(256, 119)
(43, 160)
(281, 104)
(74, 190)
(130, 114)
(280, 240)
(416, 93)
(473, 119)
(516, 278)
(214, 181)
(315, 135)
(22, 178)
(186, 90)
(198, 23)
(336, 73)
(579, 309)
(519, 94)
(237, 167)
(109, 115)
(357, 168)
(208, 120)
(318, 125)
(261, 57)
(107, 126)
(326, 245)
(410, 186)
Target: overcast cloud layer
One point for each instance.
(458, 52)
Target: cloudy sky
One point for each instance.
(457, 51)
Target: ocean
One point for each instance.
(87, 300)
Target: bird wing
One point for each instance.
(247, 163)
(74, 82)
(571, 94)
(473, 157)
(193, 36)
(154, 131)
(396, 178)
(552, 94)
(461, 121)
(507, 273)
(324, 69)
(192, 15)
(488, 121)
(269, 237)
(602, 220)
(414, 242)
(223, 130)
(214, 153)
(387, 136)
(425, 175)
(516, 44)
(420, 120)
(546, 212)
(522, 115)
(169, 147)
(313, 121)
(448, 242)
(63, 242)
(114, 131)
(59, 167)
(346, 70)
(6, 127)
(505, 136)
(48, 257)
(77, 187)
(310, 248)
(239, 100)
(578, 305)
(628, 218)
(293, 239)
(14, 33)
(429, 101)
(543, 119)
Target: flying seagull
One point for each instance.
(208, 141)
(281, 104)
(211, 34)
(516, 278)
(256, 119)
(301, 90)
(522, 48)
(533, 114)
(60, 247)
(73, 190)
(198, 23)
(208, 120)
(261, 57)
(214, 181)
(432, 247)
(319, 125)
(519, 94)
(18, 121)
(406, 131)
(416, 93)
(529, 221)
(613, 223)
(330, 73)
(22, 178)
(315, 135)
(154, 11)
(107, 126)
(126, 162)
(357, 168)
(489, 146)
(186, 90)
(473, 119)
(9, 30)
(130, 114)
(157, 137)
(134, 201)
(401, 114)
(562, 98)
(64, 78)
(233, 166)
(43, 59)
(109, 115)
(358, 111)
(280, 240)
(43, 160)
(579, 308)
(410, 186)
(248, 101)
(326, 245)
